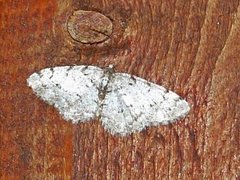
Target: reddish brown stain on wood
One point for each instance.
(191, 47)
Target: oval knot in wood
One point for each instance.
(89, 27)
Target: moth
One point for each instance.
(124, 103)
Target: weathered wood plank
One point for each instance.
(190, 47)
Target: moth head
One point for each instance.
(110, 69)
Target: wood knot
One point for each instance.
(89, 27)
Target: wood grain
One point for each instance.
(189, 46)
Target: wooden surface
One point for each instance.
(189, 46)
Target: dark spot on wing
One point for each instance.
(38, 73)
(86, 67)
(58, 85)
(86, 74)
(68, 69)
(108, 91)
(51, 69)
(164, 96)
(133, 78)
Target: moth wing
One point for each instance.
(73, 90)
(133, 103)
